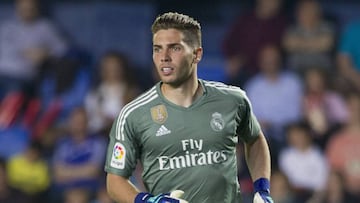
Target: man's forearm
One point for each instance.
(120, 189)
(258, 158)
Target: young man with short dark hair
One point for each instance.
(185, 130)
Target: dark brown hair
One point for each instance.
(186, 24)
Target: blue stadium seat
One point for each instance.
(13, 141)
(102, 26)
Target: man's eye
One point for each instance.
(155, 49)
(176, 48)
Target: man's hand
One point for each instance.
(258, 198)
(173, 197)
(262, 189)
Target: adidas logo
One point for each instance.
(163, 131)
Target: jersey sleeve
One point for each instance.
(122, 151)
(248, 128)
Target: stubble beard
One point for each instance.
(180, 77)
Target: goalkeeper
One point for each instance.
(185, 130)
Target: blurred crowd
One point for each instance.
(301, 72)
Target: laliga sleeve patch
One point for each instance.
(118, 156)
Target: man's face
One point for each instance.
(78, 123)
(308, 13)
(27, 9)
(173, 58)
(111, 69)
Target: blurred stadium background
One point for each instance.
(94, 27)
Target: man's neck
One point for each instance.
(183, 95)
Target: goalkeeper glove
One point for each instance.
(173, 197)
(262, 191)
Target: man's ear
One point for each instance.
(198, 52)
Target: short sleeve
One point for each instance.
(122, 151)
(248, 128)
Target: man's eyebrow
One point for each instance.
(168, 45)
(174, 44)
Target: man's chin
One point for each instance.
(175, 81)
(170, 82)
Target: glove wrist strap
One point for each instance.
(262, 185)
(142, 197)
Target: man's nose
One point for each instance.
(165, 57)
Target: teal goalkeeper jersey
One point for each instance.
(191, 149)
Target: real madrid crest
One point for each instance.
(217, 122)
(159, 113)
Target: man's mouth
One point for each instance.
(167, 70)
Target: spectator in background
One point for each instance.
(26, 41)
(324, 109)
(343, 150)
(29, 173)
(310, 40)
(349, 55)
(102, 196)
(280, 188)
(276, 95)
(79, 156)
(77, 195)
(7, 193)
(248, 35)
(335, 192)
(115, 89)
(63, 88)
(304, 164)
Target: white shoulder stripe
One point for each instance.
(132, 103)
(222, 86)
(126, 115)
(219, 84)
(150, 91)
(131, 106)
